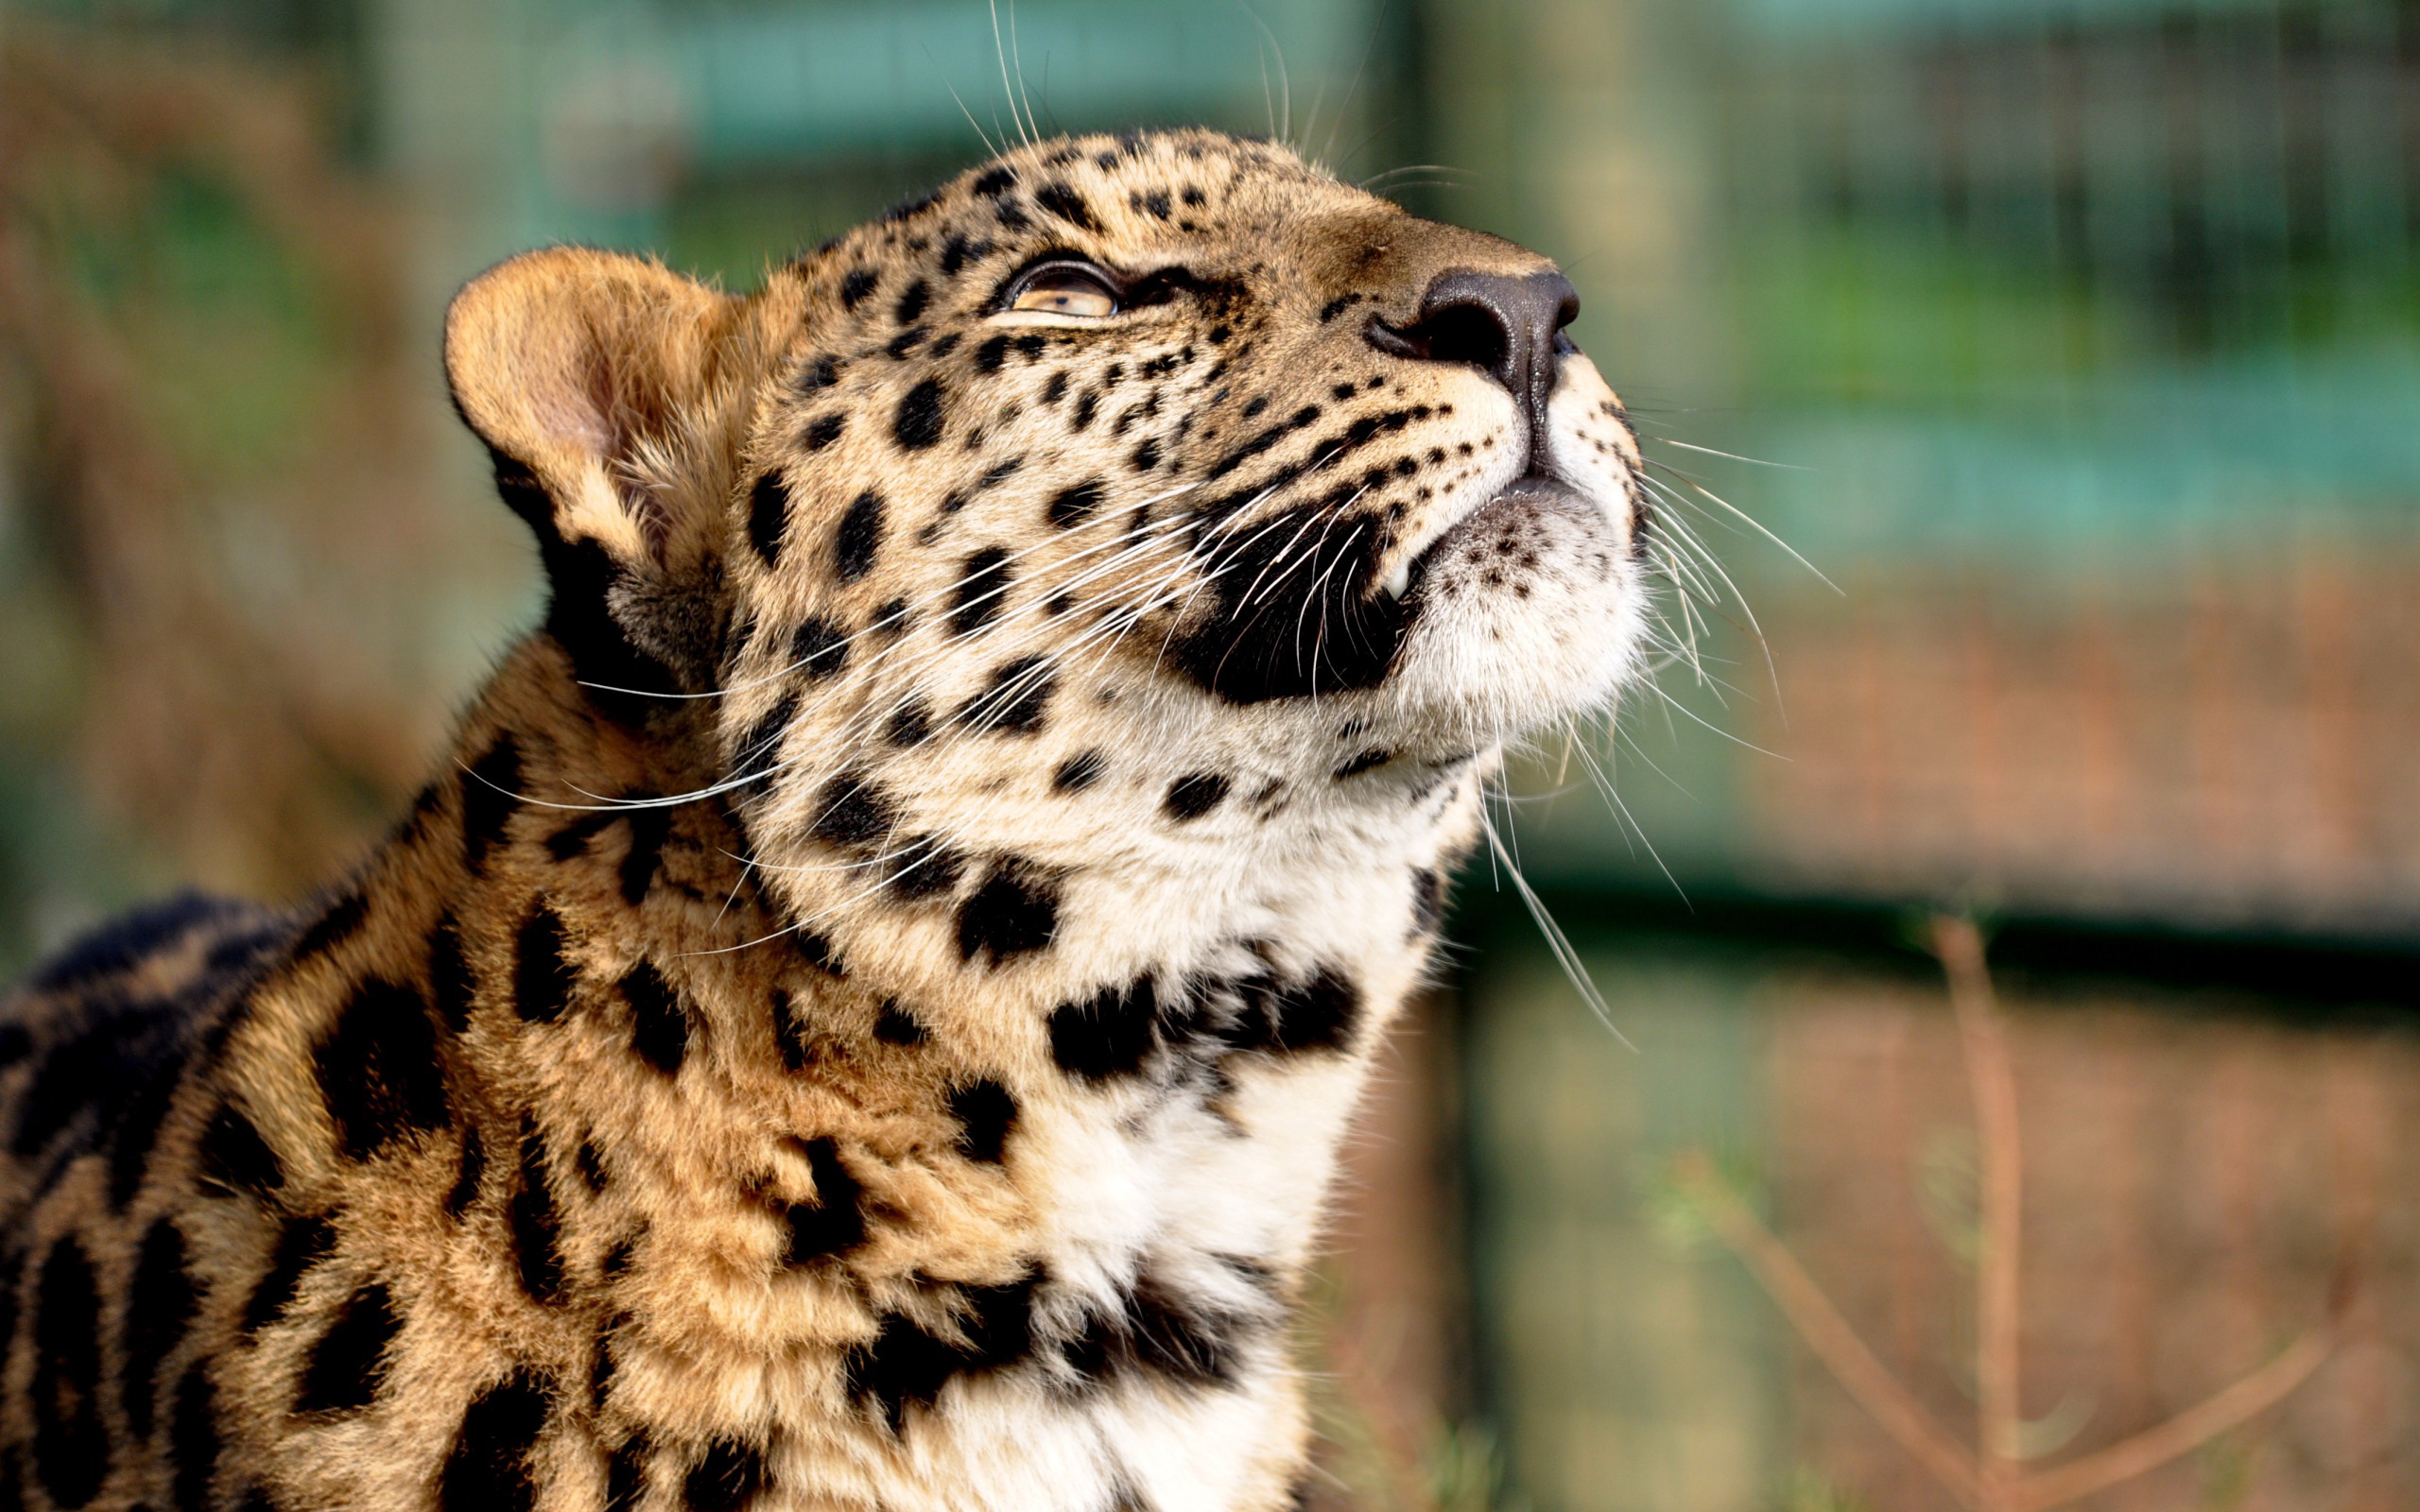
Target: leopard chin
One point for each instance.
(1528, 610)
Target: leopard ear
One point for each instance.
(613, 394)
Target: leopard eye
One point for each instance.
(1073, 288)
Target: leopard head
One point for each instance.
(1161, 459)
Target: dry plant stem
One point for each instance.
(1998, 1311)
(1991, 1482)
(1811, 1312)
(2181, 1434)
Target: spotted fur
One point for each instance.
(864, 1016)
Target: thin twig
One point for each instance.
(1835, 1343)
(2181, 1434)
(1999, 1410)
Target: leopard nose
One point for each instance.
(1508, 326)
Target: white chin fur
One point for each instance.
(1528, 610)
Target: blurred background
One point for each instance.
(2077, 345)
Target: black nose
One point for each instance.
(1508, 326)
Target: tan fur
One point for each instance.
(827, 1038)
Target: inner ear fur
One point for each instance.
(614, 394)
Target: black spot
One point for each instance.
(789, 1032)
(922, 411)
(572, 838)
(909, 210)
(957, 251)
(926, 866)
(378, 1068)
(1087, 405)
(820, 433)
(760, 749)
(990, 355)
(601, 1365)
(339, 921)
(1191, 796)
(1338, 307)
(536, 1227)
(301, 1243)
(1362, 762)
(995, 182)
(489, 1468)
(895, 1025)
(892, 619)
(193, 1440)
(1073, 507)
(1110, 1034)
(1078, 771)
(852, 812)
(449, 975)
(859, 283)
(1010, 216)
(160, 1306)
(490, 791)
(1065, 203)
(818, 648)
(1154, 203)
(234, 1157)
(1014, 912)
(817, 376)
(659, 1022)
(833, 1221)
(906, 1365)
(1156, 1331)
(1428, 898)
(982, 591)
(905, 341)
(626, 1475)
(911, 723)
(1193, 196)
(142, 1111)
(912, 301)
(985, 1111)
(349, 1363)
(1015, 702)
(542, 975)
(474, 1165)
(1054, 389)
(650, 828)
(110, 1062)
(1147, 455)
(591, 1166)
(1319, 1014)
(859, 537)
(769, 516)
(726, 1478)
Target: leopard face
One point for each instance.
(1163, 457)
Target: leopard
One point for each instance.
(866, 1013)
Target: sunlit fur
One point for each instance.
(865, 1015)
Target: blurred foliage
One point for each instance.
(216, 472)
